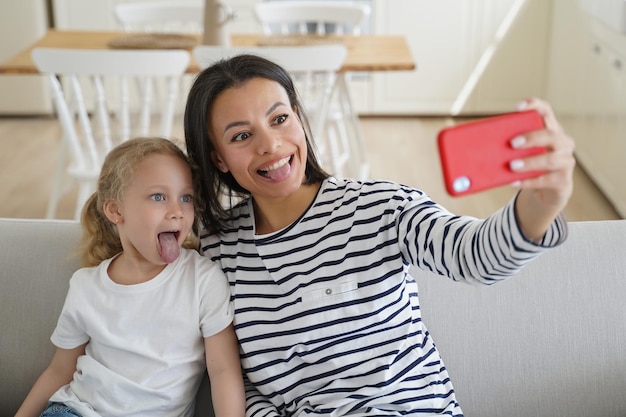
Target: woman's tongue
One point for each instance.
(168, 247)
(277, 171)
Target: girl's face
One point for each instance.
(156, 213)
(259, 138)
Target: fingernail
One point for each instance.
(516, 164)
(522, 105)
(518, 141)
(516, 184)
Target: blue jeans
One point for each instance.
(58, 410)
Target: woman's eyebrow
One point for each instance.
(245, 122)
(233, 124)
(273, 107)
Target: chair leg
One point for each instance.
(85, 189)
(356, 135)
(346, 155)
(336, 154)
(57, 181)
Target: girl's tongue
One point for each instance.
(168, 247)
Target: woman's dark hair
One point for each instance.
(207, 86)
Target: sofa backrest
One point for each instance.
(36, 265)
(548, 342)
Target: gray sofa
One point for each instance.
(548, 342)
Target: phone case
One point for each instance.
(475, 155)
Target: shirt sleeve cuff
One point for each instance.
(555, 235)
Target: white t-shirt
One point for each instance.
(145, 354)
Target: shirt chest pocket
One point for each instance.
(332, 291)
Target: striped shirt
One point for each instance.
(327, 315)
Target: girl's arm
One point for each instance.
(57, 374)
(224, 368)
(542, 198)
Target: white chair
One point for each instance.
(161, 16)
(314, 68)
(92, 128)
(170, 17)
(321, 18)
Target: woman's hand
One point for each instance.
(542, 198)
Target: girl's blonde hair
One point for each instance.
(100, 239)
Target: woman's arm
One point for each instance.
(224, 369)
(542, 198)
(57, 374)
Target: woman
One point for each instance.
(326, 313)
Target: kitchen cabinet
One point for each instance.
(98, 15)
(23, 22)
(438, 36)
(448, 39)
(588, 90)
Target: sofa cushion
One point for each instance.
(547, 342)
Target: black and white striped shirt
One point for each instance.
(327, 315)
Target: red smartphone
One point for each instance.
(475, 155)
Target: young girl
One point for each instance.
(145, 317)
(326, 313)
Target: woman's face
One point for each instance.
(258, 138)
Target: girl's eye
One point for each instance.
(157, 197)
(241, 136)
(187, 198)
(280, 119)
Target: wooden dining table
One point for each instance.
(366, 53)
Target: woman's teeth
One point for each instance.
(277, 165)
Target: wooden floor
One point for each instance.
(400, 149)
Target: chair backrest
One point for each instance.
(113, 116)
(295, 59)
(317, 17)
(161, 16)
(313, 68)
